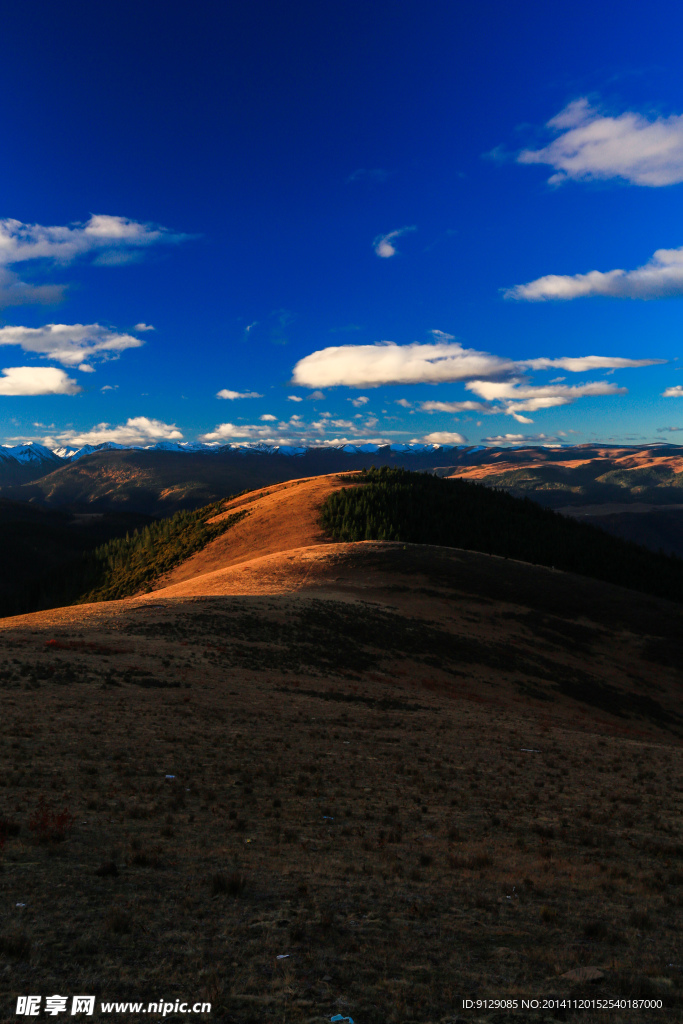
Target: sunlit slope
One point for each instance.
(281, 518)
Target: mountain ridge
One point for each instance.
(160, 478)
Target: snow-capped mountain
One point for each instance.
(30, 453)
(72, 454)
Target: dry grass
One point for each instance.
(394, 813)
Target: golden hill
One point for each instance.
(415, 774)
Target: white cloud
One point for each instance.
(516, 396)
(294, 398)
(293, 431)
(70, 344)
(444, 437)
(232, 395)
(268, 418)
(466, 406)
(503, 439)
(674, 392)
(228, 431)
(315, 396)
(584, 364)
(108, 239)
(388, 363)
(109, 387)
(36, 380)
(383, 244)
(660, 278)
(499, 382)
(592, 145)
(358, 402)
(21, 242)
(144, 327)
(140, 430)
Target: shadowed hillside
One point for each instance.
(42, 552)
(159, 483)
(415, 773)
(393, 504)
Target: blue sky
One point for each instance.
(316, 223)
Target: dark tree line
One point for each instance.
(419, 508)
(121, 566)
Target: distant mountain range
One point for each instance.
(632, 491)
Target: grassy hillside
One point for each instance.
(397, 505)
(593, 482)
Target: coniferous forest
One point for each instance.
(118, 567)
(123, 566)
(419, 508)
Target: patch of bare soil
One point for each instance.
(415, 777)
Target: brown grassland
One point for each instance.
(420, 775)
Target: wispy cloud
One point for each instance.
(584, 364)
(660, 278)
(359, 402)
(106, 239)
(144, 327)
(467, 406)
(673, 392)
(100, 235)
(517, 439)
(384, 244)
(233, 395)
(70, 344)
(138, 430)
(36, 380)
(593, 145)
(516, 396)
(15, 292)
